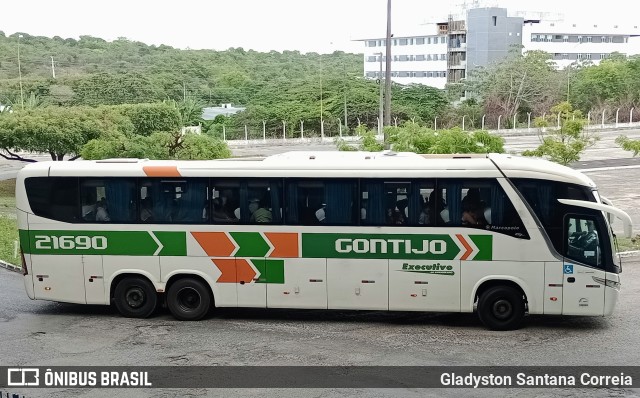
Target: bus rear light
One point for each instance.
(25, 271)
(553, 298)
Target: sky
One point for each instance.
(320, 26)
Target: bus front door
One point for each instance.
(582, 294)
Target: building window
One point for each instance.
(580, 56)
(589, 39)
(443, 57)
(579, 39)
(420, 57)
(403, 58)
(495, 20)
(565, 56)
(429, 74)
(371, 43)
(402, 42)
(588, 56)
(603, 56)
(443, 39)
(420, 40)
(565, 38)
(428, 40)
(371, 58)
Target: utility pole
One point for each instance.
(53, 68)
(381, 112)
(387, 76)
(20, 74)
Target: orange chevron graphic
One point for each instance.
(284, 244)
(215, 244)
(228, 268)
(234, 270)
(466, 246)
(161, 171)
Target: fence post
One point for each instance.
(558, 119)
(514, 121)
(463, 116)
(284, 130)
(528, 120)
(617, 112)
(264, 130)
(483, 116)
(322, 129)
(224, 133)
(302, 129)
(340, 127)
(499, 117)
(603, 111)
(631, 116)
(246, 134)
(435, 123)
(588, 118)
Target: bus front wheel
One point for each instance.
(188, 299)
(501, 308)
(135, 297)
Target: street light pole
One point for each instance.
(20, 74)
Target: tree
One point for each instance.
(628, 144)
(414, 138)
(518, 81)
(162, 145)
(411, 137)
(152, 118)
(54, 130)
(563, 145)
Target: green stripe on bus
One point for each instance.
(250, 244)
(119, 243)
(24, 240)
(392, 246)
(484, 243)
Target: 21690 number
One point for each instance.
(44, 242)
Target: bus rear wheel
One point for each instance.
(188, 299)
(501, 308)
(135, 297)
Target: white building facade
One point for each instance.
(415, 59)
(447, 51)
(578, 42)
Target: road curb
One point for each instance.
(631, 253)
(9, 266)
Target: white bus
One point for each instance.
(497, 234)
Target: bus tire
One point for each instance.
(135, 297)
(188, 299)
(501, 308)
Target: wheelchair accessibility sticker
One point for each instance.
(568, 268)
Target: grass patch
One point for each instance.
(8, 198)
(8, 224)
(628, 244)
(8, 235)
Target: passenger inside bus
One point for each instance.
(101, 211)
(259, 214)
(218, 214)
(146, 210)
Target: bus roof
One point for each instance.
(340, 164)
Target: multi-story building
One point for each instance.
(571, 42)
(445, 52)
